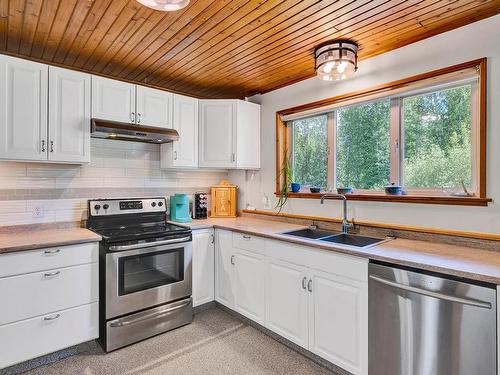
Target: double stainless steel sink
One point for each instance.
(336, 237)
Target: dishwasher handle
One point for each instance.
(430, 293)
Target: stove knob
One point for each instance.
(105, 206)
(160, 204)
(97, 207)
(153, 204)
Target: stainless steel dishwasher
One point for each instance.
(425, 324)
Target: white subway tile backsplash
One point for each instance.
(117, 169)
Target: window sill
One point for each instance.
(423, 199)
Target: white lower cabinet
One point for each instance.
(338, 320)
(249, 284)
(45, 334)
(286, 301)
(50, 300)
(203, 266)
(224, 262)
(317, 299)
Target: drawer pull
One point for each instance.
(246, 237)
(52, 251)
(53, 317)
(51, 274)
(304, 282)
(310, 285)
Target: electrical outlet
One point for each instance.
(38, 211)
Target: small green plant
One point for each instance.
(286, 176)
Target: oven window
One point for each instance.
(146, 271)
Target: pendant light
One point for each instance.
(165, 5)
(336, 60)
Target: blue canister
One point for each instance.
(295, 187)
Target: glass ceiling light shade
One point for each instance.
(336, 60)
(165, 5)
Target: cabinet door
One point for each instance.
(184, 152)
(338, 321)
(23, 109)
(248, 135)
(203, 267)
(154, 107)
(249, 281)
(113, 100)
(224, 268)
(286, 296)
(69, 116)
(217, 133)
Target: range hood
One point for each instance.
(130, 132)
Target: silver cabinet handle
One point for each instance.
(232, 260)
(52, 251)
(212, 238)
(233, 157)
(51, 146)
(310, 285)
(43, 145)
(51, 274)
(158, 314)
(53, 317)
(175, 155)
(132, 116)
(431, 293)
(246, 237)
(304, 281)
(138, 118)
(148, 244)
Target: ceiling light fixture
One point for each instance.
(336, 60)
(165, 5)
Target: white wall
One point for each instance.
(481, 39)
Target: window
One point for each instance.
(362, 149)
(310, 149)
(438, 139)
(426, 133)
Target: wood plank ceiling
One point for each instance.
(218, 48)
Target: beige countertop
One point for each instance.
(461, 261)
(33, 238)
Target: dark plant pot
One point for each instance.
(295, 186)
(345, 190)
(394, 189)
(314, 189)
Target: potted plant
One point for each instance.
(286, 178)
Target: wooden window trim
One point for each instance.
(283, 140)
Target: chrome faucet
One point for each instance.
(346, 225)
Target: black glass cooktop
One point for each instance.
(126, 232)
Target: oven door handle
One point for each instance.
(148, 244)
(123, 323)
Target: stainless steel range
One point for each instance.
(145, 270)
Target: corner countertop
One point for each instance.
(32, 238)
(460, 261)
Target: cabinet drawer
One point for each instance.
(249, 242)
(48, 258)
(34, 337)
(34, 294)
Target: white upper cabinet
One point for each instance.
(113, 100)
(154, 107)
(248, 135)
(229, 134)
(217, 133)
(69, 116)
(184, 152)
(23, 109)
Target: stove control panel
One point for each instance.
(102, 207)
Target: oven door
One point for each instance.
(143, 277)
